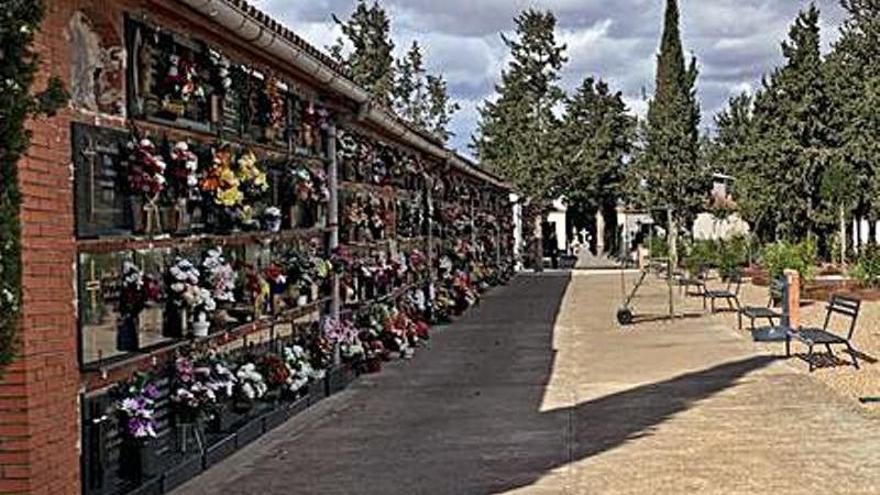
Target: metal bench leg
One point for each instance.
(830, 351)
(739, 319)
(810, 357)
(787, 345)
(852, 353)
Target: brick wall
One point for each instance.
(38, 395)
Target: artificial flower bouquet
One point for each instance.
(343, 333)
(135, 406)
(276, 374)
(250, 386)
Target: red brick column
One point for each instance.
(39, 420)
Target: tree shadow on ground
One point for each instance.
(466, 417)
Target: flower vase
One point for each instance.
(182, 218)
(127, 339)
(152, 216)
(176, 323)
(137, 458)
(223, 420)
(321, 216)
(201, 326)
(138, 215)
(297, 215)
(277, 304)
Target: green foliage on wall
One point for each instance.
(18, 68)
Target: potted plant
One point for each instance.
(135, 409)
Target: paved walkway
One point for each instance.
(537, 392)
(589, 261)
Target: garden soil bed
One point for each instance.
(838, 374)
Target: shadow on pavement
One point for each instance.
(465, 417)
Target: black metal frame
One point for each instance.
(777, 288)
(731, 294)
(847, 307)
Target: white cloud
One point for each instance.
(735, 41)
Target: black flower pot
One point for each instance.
(127, 339)
(138, 460)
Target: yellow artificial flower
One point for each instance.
(230, 197)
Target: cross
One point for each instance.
(90, 154)
(93, 286)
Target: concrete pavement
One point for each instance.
(537, 391)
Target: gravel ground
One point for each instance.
(838, 373)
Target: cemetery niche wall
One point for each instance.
(244, 243)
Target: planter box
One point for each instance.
(182, 471)
(299, 406)
(338, 378)
(249, 432)
(316, 391)
(152, 486)
(220, 450)
(276, 418)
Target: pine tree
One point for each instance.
(517, 135)
(410, 98)
(734, 152)
(597, 134)
(792, 117)
(440, 108)
(853, 77)
(371, 60)
(668, 168)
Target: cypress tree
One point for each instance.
(668, 167)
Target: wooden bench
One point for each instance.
(848, 308)
(768, 312)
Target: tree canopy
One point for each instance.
(668, 172)
(518, 132)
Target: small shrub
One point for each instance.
(658, 247)
(782, 255)
(700, 254)
(867, 269)
(733, 253)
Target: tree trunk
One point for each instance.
(539, 243)
(672, 238)
(842, 236)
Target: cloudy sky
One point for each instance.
(735, 41)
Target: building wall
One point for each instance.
(38, 395)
